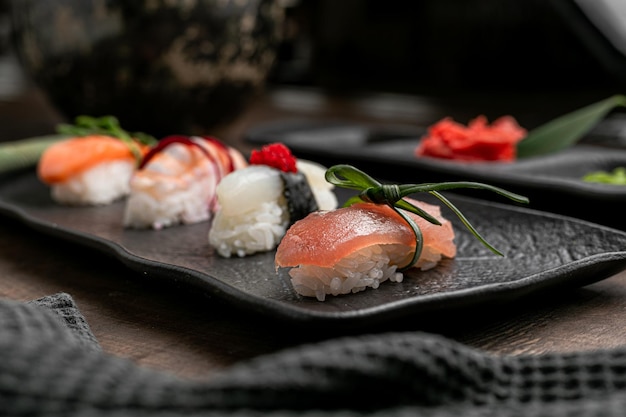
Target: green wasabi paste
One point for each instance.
(616, 177)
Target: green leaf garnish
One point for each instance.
(566, 130)
(372, 191)
(109, 126)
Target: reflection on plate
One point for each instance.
(544, 251)
(552, 182)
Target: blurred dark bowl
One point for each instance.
(162, 67)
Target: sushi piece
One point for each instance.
(376, 235)
(360, 246)
(176, 182)
(89, 170)
(258, 203)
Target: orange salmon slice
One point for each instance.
(323, 238)
(73, 156)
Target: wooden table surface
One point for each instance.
(172, 329)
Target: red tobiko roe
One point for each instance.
(276, 155)
(478, 141)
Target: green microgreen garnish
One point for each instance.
(371, 190)
(566, 130)
(615, 177)
(109, 126)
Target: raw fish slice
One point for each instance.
(253, 213)
(72, 156)
(325, 237)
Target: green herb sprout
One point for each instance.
(615, 177)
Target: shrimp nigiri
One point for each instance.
(352, 248)
(89, 170)
(176, 182)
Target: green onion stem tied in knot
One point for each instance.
(386, 193)
(372, 191)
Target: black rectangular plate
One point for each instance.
(543, 251)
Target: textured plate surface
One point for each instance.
(552, 182)
(544, 251)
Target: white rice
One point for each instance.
(99, 185)
(255, 231)
(185, 206)
(366, 268)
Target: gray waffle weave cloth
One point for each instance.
(51, 365)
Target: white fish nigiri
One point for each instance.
(258, 203)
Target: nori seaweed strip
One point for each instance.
(299, 196)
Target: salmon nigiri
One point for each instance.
(352, 248)
(177, 180)
(89, 170)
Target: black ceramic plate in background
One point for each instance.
(543, 251)
(553, 182)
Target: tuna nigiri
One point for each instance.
(374, 235)
(258, 203)
(89, 170)
(176, 182)
(352, 248)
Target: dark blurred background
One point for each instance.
(540, 51)
(439, 46)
